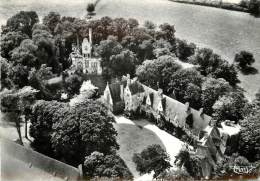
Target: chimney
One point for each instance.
(122, 91)
(201, 112)
(187, 104)
(90, 35)
(90, 41)
(160, 92)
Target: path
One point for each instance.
(135, 135)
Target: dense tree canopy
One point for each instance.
(99, 165)
(109, 47)
(22, 21)
(153, 158)
(123, 63)
(230, 107)
(186, 85)
(156, 71)
(72, 133)
(212, 89)
(211, 64)
(51, 20)
(11, 40)
(44, 115)
(6, 82)
(249, 137)
(244, 59)
(184, 49)
(254, 7)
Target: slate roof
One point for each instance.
(115, 92)
(176, 111)
(135, 88)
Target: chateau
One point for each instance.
(131, 95)
(89, 63)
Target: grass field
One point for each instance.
(135, 135)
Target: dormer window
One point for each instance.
(160, 107)
(148, 101)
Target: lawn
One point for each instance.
(135, 135)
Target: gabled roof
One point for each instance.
(115, 91)
(135, 88)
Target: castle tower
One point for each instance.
(87, 45)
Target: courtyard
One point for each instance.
(135, 135)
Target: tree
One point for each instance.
(184, 50)
(249, 136)
(257, 97)
(43, 116)
(6, 82)
(192, 163)
(225, 168)
(90, 8)
(87, 127)
(37, 79)
(177, 174)
(99, 165)
(167, 32)
(153, 158)
(46, 49)
(9, 41)
(193, 95)
(109, 47)
(121, 28)
(123, 63)
(22, 21)
(16, 103)
(230, 107)
(211, 64)
(156, 71)
(226, 71)
(133, 23)
(25, 54)
(51, 20)
(181, 80)
(244, 59)
(254, 7)
(212, 89)
(149, 25)
(161, 47)
(19, 75)
(73, 83)
(146, 50)
(131, 43)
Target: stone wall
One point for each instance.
(40, 161)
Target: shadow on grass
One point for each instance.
(134, 139)
(249, 71)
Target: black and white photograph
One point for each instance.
(130, 90)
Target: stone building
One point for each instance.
(90, 63)
(113, 97)
(131, 95)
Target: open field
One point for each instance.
(226, 32)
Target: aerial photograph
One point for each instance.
(130, 90)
